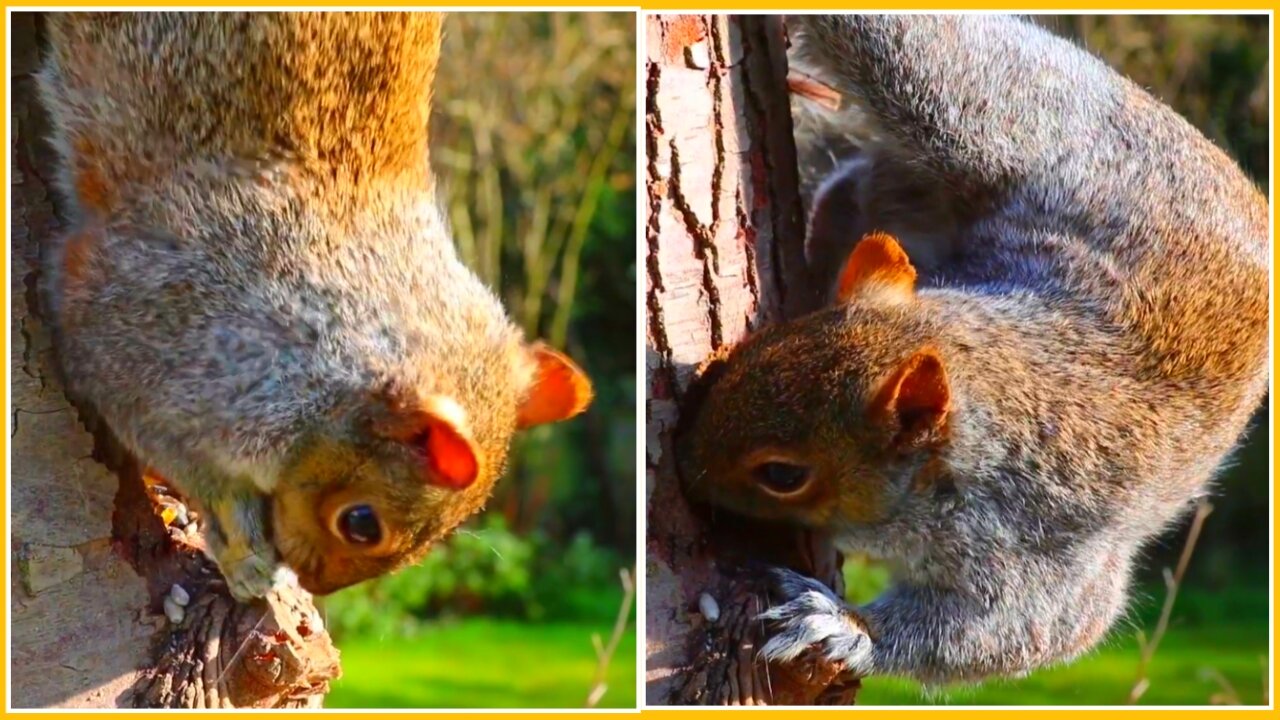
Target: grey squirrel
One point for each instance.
(1049, 329)
(260, 294)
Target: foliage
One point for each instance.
(1211, 68)
(489, 571)
(533, 148)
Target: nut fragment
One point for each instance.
(173, 610)
(709, 608)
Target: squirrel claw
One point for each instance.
(812, 616)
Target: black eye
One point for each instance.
(359, 525)
(782, 478)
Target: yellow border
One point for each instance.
(709, 5)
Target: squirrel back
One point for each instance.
(342, 96)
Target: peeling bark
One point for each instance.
(92, 557)
(725, 254)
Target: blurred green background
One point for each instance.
(1213, 70)
(533, 139)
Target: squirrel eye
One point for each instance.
(359, 525)
(782, 478)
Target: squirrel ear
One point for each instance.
(559, 389)
(450, 456)
(916, 399)
(436, 426)
(877, 264)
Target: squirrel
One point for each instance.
(1008, 422)
(259, 293)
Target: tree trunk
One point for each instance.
(92, 558)
(725, 255)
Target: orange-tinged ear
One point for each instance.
(450, 456)
(877, 265)
(436, 426)
(916, 399)
(559, 389)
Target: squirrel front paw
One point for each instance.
(237, 541)
(812, 616)
(248, 578)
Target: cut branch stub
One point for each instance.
(225, 654)
(726, 668)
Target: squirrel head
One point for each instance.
(349, 510)
(829, 419)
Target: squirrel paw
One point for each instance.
(249, 578)
(236, 541)
(812, 616)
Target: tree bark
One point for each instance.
(725, 255)
(92, 558)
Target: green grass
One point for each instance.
(483, 663)
(1222, 631)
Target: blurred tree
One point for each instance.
(1210, 68)
(536, 149)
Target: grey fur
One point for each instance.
(1102, 317)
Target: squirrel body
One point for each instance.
(1008, 403)
(260, 294)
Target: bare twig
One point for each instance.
(807, 86)
(1226, 694)
(582, 219)
(1266, 681)
(605, 654)
(1172, 583)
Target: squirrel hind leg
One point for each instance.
(872, 191)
